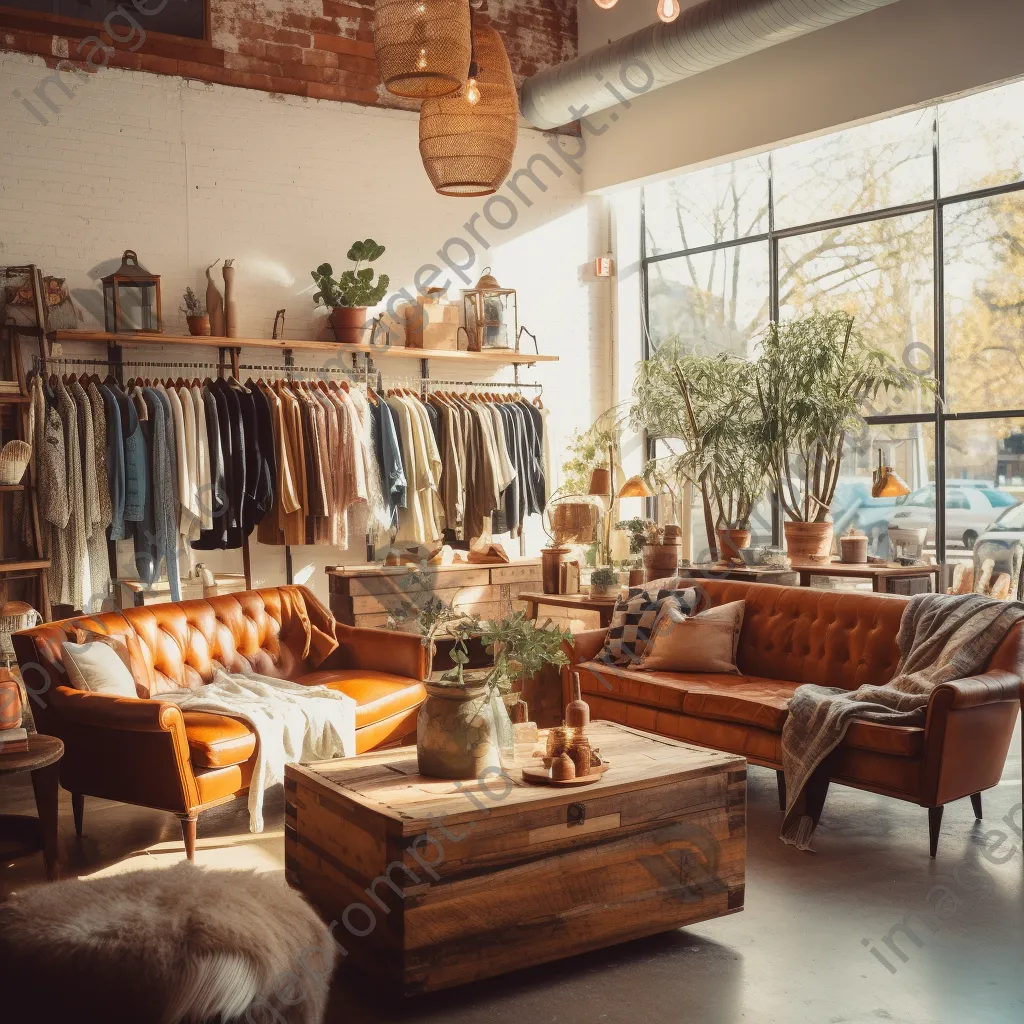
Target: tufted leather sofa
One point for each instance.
(795, 635)
(148, 752)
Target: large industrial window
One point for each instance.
(914, 224)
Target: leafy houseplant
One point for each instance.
(196, 315)
(353, 292)
(638, 530)
(709, 404)
(812, 379)
(463, 727)
(603, 582)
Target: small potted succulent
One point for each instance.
(196, 315)
(353, 293)
(603, 582)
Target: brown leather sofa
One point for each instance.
(148, 752)
(794, 635)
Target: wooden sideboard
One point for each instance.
(376, 595)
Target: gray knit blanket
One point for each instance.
(941, 638)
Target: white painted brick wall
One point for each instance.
(186, 173)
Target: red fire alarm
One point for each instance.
(604, 266)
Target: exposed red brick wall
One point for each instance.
(317, 48)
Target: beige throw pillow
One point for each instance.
(700, 643)
(97, 668)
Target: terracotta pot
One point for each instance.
(199, 326)
(663, 559)
(808, 542)
(731, 543)
(551, 560)
(348, 322)
(637, 577)
(10, 704)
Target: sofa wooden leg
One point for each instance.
(976, 804)
(78, 809)
(780, 778)
(188, 832)
(934, 823)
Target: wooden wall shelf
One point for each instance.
(492, 357)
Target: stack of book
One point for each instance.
(13, 741)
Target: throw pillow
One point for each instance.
(97, 668)
(700, 643)
(633, 620)
(128, 649)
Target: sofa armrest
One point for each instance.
(104, 710)
(585, 646)
(379, 650)
(988, 688)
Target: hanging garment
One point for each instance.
(204, 480)
(54, 506)
(115, 455)
(78, 563)
(162, 546)
(388, 452)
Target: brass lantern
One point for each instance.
(492, 315)
(131, 299)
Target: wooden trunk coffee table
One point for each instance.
(435, 883)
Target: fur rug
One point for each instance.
(162, 947)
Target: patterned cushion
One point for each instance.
(633, 621)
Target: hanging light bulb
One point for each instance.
(472, 88)
(606, 5)
(421, 64)
(668, 10)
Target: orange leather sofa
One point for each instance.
(148, 752)
(795, 635)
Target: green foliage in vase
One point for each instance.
(604, 578)
(521, 648)
(588, 449)
(709, 404)
(355, 287)
(812, 380)
(639, 531)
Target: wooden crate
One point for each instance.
(436, 883)
(369, 595)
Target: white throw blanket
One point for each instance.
(292, 723)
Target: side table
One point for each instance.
(604, 606)
(20, 834)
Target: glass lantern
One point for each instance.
(492, 315)
(131, 299)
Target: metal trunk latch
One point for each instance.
(576, 814)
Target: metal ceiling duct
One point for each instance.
(704, 37)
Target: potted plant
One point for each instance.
(812, 380)
(463, 729)
(603, 582)
(195, 314)
(709, 404)
(637, 529)
(350, 296)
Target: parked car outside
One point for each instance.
(971, 509)
(853, 506)
(998, 540)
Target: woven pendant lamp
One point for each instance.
(423, 47)
(467, 147)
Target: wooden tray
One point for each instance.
(537, 775)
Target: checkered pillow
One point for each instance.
(633, 622)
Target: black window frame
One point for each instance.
(936, 206)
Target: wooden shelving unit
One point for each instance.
(492, 357)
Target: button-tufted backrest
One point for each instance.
(814, 636)
(263, 631)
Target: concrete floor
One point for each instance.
(796, 955)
